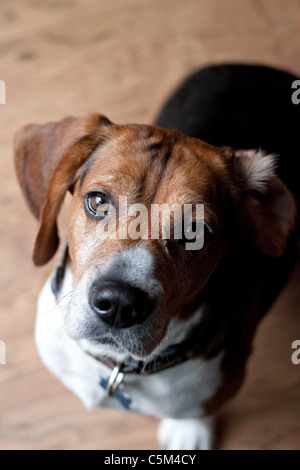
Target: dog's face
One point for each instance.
(132, 272)
(130, 288)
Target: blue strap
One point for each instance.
(123, 397)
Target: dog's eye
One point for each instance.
(97, 205)
(195, 235)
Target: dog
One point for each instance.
(140, 322)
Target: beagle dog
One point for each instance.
(139, 322)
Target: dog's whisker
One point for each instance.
(61, 299)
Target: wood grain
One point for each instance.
(123, 58)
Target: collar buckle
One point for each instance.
(115, 380)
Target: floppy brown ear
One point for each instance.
(269, 205)
(46, 158)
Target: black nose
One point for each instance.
(118, 304)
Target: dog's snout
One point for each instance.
(119, 304)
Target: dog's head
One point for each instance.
(133, 259)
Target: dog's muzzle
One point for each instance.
(118, 304)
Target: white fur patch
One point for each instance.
(187, 434)
(257, 168)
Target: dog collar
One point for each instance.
(172, 356)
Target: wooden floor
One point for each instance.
(122, 58)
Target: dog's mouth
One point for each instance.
(119, 336)
(139, 341)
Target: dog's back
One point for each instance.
(240, 106)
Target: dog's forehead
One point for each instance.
(147, 158)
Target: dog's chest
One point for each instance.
(179, 392)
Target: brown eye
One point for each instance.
(96, 205)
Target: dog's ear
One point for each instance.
(47, 158)
(268, 205)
